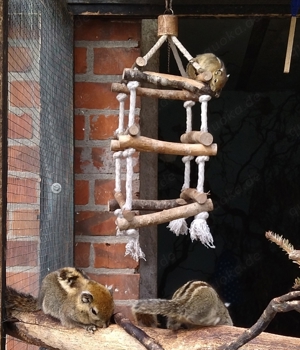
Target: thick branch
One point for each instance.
(280, 304)
(44, 330)
(184, 211)
(145, 144)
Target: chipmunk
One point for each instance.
(70, 296)
(194, 304)
(210, 62)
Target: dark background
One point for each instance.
(253, 180)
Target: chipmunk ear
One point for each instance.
(110, 289)
(86, 297)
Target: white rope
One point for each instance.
(179, 226)
(132, 247)
(199, 228)
(121, 98)
(132, 86)
(187, 159)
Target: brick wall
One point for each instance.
(103, 48)
(23, 195)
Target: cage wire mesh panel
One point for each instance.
(40, 143)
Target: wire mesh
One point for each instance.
(40, 143)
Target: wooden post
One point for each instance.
(289, 49)
(145, 144)
(167, 25)
(165, 216)
(3, 157)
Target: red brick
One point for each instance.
(94, 29)
(19, 59)
(104, 190)
(21, 190)
(103, 127)
(22, 253)
(82, 254)
(88, 160)
(125, 286)
(79, 126)
(95, 96)
(24, 223)
(82, 193)
(24, 94)
(114, 60)
(19, 127)
(27, 282)
(95, 223)
(80, 64)
(23, 158)
(112, 256)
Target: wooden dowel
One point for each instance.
(167, 80)
(192, 193)
(120, 199)
(289, 49)
(165, 216)
(157, 93)
(205, 138)
(145, 144)
(147, 204)
(134, 130)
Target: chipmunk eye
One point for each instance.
(94, 311)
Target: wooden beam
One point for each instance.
(3, 155)
(188, 8)
(45, 331)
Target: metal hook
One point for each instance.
(168, 7)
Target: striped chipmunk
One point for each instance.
(194, 304)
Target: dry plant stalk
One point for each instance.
(283, 303)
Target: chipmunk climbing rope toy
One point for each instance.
(204, 78)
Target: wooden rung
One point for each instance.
(145, 144)
(192, 193)
(148, 204)
(184, 211)
(205, 138)
(181, 95)
(167, 80)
